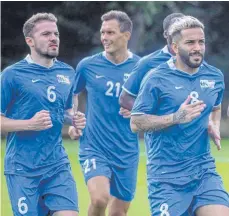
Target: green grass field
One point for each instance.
(140, 204)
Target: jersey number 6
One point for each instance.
(51, 95)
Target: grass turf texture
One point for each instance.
(140, 204)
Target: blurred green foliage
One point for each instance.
(79, 25)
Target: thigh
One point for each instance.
(212, 210)
(123, 182)
(168, 199)
(93, 165)
(65, 213)
(24, 194)
(59, 191)
(99, 188)
(212, 194)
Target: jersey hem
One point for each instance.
(135, 95)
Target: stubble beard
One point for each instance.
(186, 58)
(47, 54)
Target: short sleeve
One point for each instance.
(220, 94)
(7, 89)
(69, 101)
(80, 81)
(132, 85)
(148, 97)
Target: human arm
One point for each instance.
(78, 120)
(228, 111)
(214, 126)
(186, 113)
(40, 121)
(126, 100)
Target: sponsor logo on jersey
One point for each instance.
(63, 79)
(207, 84)
(125, 77)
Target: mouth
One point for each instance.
(196, 55)
(106, 45)
(53, 46)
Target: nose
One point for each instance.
(104, 36)
(53, 37)
(197, 47)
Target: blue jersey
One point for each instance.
(106, 131)
(26, 89)
(181, 149)
(153, 60)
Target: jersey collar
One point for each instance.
(130, 56)
(166, 50)
(172, 66)
(30, 61)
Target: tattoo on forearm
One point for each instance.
(147, 123)
(179, 116)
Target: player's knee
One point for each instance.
(100, 201)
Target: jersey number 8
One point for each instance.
(194, 97)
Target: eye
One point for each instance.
(45, 33)
(202, 42)
(189, 42)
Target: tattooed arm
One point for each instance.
(150, 122)
(185, 114)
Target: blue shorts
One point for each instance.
(122, 180)
(36, 196)
(181, 197)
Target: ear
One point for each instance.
(127, 35)
(174, 47)
(29, 41)
(165, 34)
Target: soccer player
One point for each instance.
(132, 85)
(173, 109)
(109, 151)
(35, 93)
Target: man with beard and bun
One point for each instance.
(109, 151)
(36, 91)
(173, 108)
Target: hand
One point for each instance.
(79, 121)
(125, 112)
(74, 133)
(214, 133)
(187, 112)
(40, 121)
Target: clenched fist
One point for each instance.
(40, 121)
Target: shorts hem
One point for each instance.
(63, 208)
(205, 204)
(92, 176)
(121, 198)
